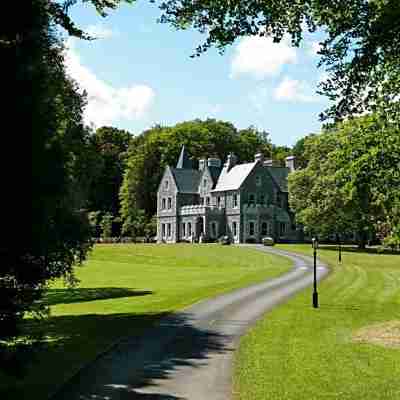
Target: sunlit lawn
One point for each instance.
(126, 288)
(297, 352)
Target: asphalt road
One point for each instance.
(188, 355)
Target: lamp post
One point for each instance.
(315, 293)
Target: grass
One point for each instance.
(297, 352)
(123, 290)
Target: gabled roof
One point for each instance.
(187, 180)
(184, 161)
(280, 175)
(233, 179)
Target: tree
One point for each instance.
(48, 232)
(361, 51)
(110, 145)
(352, 180)
(106, 225)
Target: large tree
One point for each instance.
(352, 180)
(44, 199)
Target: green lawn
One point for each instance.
(126, 288)
(297, 352)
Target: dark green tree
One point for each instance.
(110, 145)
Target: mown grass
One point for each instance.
(123, 290)
(297, 352)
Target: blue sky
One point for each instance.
(139, 73)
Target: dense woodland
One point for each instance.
(86, 184)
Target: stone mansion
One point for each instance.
(244, 201)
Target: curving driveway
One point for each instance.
(188, 355)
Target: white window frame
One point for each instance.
(163, 203)
(234, 229)
(234, 200)
(169, 203)
(169, 230)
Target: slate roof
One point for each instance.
(280, 175)
(187, 180)
(233, 179)
(215, 173)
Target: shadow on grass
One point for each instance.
(77, 295)
(154, 345)
(128, 369)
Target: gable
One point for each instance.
(167, 176)
(187, 180)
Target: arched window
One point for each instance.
(251, 228)
(264, 228)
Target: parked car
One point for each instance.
(224, 240)
(268, 241)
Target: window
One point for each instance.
(169, 203)
(262, 199)
(264, 228)
(205, 182)
(163, 204)
(183, 229)
(234, 228)
(219, 201)
(258, 180)
(251, 199)
(189, 228)
(202, 201)
(207, 201)
(166, 184)
(282, 226)
(169, 230)
(251, 228)
(213, 229)
(235, 202)
(163, 230)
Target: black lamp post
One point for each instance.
(315, 293)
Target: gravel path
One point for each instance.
(188, 355)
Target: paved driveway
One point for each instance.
(188, 355)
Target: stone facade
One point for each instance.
(244, 201)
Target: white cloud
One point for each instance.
(260, 57)
(107, 104)
(99, 31)
(294, 91)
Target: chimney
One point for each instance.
(202, 164)
(290, 163)
(230, 162)
(259, 157)
(214, 162)
(271, 163)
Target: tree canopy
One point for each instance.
(361, 51)
(352, 180)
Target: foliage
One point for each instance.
(361, 51)
(49, 232)
(153, 150)
(110, 145)
(352, 179)
(106, 225)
